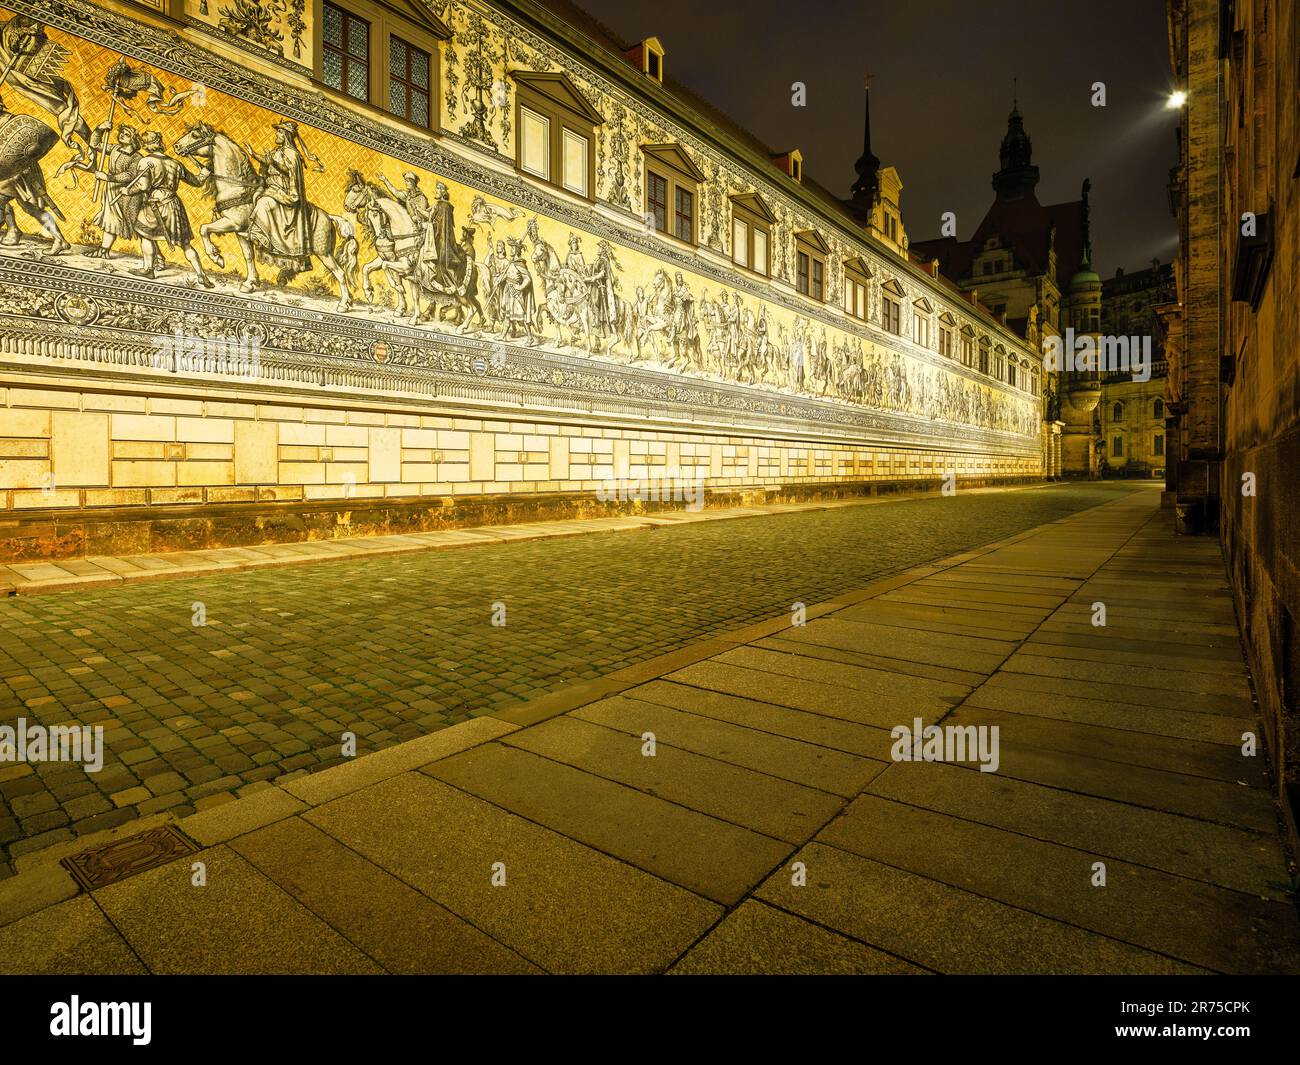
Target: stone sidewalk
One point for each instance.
(543, 839)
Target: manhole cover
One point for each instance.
(125, 857)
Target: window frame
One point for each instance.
(891, 313)
(754, 214)
(857, 275)
(344, 50)
(415, 28)
(554, 98)
(809, 244)
(671, 164)
(411, 87)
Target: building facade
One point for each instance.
(1131, 413)
(1031, 265)
(1234, 364)
(313, 268)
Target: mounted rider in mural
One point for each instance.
(278, 227)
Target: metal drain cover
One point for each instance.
(123, 858)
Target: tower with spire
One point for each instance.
(865, 191)
(1018, 175)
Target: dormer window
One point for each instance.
(649, 57)
(556, 130)
(810, 264)
(791, 163)
(751, 233)
(672, 182)
(857, 278)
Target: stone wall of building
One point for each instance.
(561, 343)
(1252, 274)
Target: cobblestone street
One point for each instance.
(394, 648)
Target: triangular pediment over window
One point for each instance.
(924, 305)
(674, 157)
(813, 239)
(893, 286)
(855, 265)
(561, 91)
(420, 14)
(754, 203)
(947, 318)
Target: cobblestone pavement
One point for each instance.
(393, 648)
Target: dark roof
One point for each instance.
(1024, 225)
(606, 38)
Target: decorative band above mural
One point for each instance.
(151, 177)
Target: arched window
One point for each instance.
(1158, 409)
(1117, 412)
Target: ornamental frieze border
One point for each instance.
(167, 50)
(106, 319)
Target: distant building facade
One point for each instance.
(1131, 414)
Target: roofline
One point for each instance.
(615, 66)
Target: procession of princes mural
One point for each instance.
(260, 218)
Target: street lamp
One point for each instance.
(1176, 100)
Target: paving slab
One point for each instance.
(944, 928)
(1201, 924)
(713, 858)
(755, 939)
(824, 768)
(768, 804)
(72, 938)
(566, 907)
(394, 924)
(1215, 854)
(239, 923)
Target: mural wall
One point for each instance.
(150, 189)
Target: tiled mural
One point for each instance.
(151, 189)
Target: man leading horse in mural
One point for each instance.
(157, 180)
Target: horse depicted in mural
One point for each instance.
(400, 249)
(566, 300)
(235, 185)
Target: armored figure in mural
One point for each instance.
(163, 216)
(119, 210)
(416, 203)
(23, 141)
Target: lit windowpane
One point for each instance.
(575, 163)
(536, 139)
(740, 242)
(760, 251)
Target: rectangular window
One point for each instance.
(739, 242)
(1011, 374)
(921, 329)
(818, 279)
(345, 52)
(408, 81)
(685, 214)
(536, 141)
(760, 251)
(945, 342)
(984, 360)
(575, 162)
(1117, 446)
(967, 351)
(891, 314)
(656, 192)
(1158, 444)
(804, 268)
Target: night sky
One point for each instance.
(941, 97)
